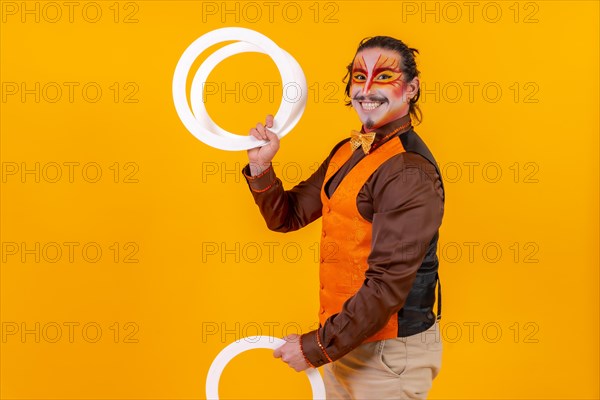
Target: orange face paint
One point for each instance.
(385, 71)
(377, 89)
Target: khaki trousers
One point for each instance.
(396, 368)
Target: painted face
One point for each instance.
(377, 90)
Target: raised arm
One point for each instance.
(282, 210)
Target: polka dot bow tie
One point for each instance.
(364, 140)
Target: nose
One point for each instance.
(367, 86)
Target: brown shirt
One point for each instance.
(403, 200)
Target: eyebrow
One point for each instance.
(389, 64)
(376, 70)
(380, 69)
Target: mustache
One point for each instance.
(376, 98)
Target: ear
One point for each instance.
(412, 88)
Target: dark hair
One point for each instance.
(408, 67)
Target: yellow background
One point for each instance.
(179, 198)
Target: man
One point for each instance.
(382, 200)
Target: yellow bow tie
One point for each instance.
(364, 140)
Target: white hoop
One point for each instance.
(197, 120)
(249, 343)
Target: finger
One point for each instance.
(254, 132)
(261, 129)
(269, 121)
(277, 352)
(271, 136)
(257, 136)
(292, 337)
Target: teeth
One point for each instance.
(370, 105)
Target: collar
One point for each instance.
(384, 130)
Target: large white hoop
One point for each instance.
(197, 120)
(249, 343)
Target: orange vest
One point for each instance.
(346, 235)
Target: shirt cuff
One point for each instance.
(261, 182)
(311, 349)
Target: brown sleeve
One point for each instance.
(408, 212)
(288, 210)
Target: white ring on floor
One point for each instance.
(249, 343)
(196, 119)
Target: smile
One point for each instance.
(370, 105)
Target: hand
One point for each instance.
(260, 157)
(291, 354)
